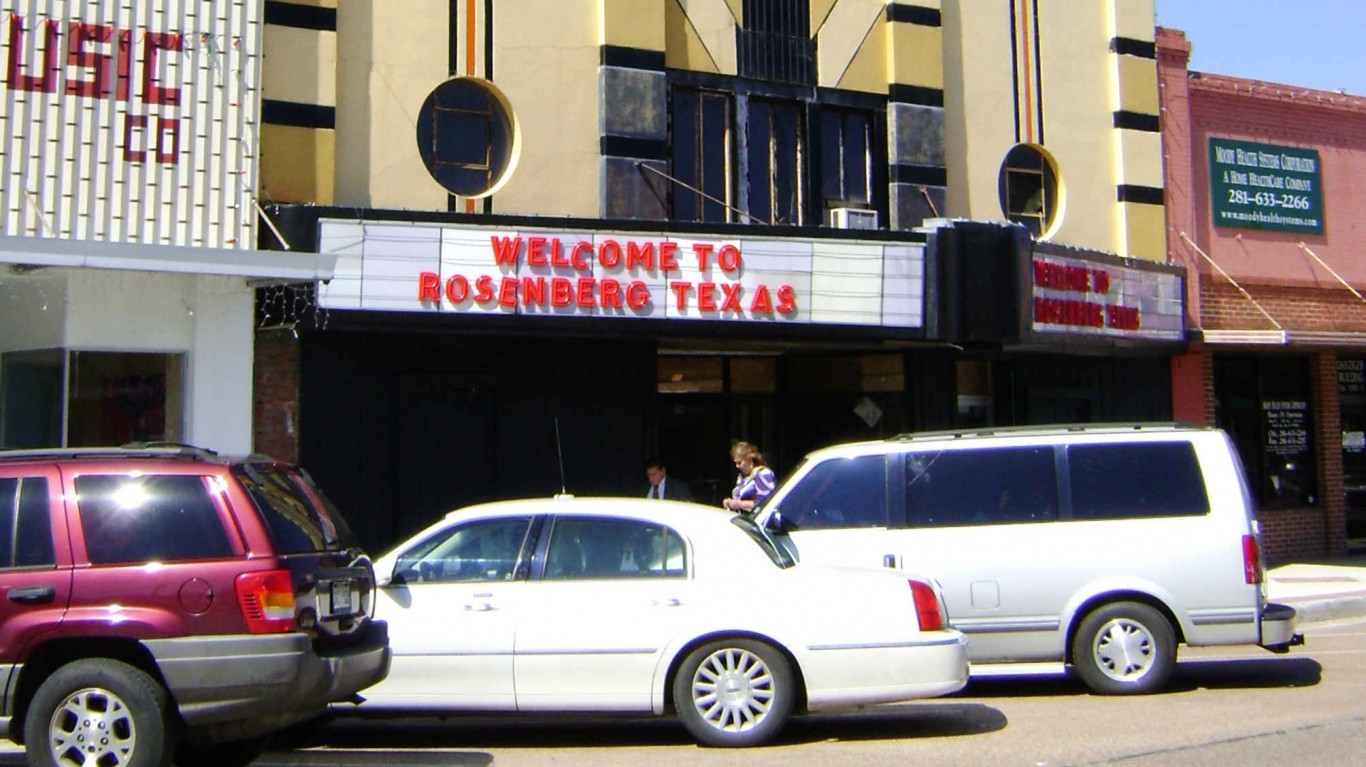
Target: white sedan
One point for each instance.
(637, 606)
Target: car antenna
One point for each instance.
(559, 453)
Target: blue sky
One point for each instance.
(1312, 43)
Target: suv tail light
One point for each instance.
(927, 606)
(1252, 560)
(267, 601)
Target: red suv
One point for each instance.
(164, 602)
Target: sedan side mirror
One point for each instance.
(774, 522)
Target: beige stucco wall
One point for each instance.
(1080, 82)
(389, 57)
(549, 72)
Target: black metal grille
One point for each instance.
(775, 42)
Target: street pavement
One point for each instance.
(1321, 593)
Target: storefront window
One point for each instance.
(689, 375)
(120, 397)
(110, 398)
(1352, 395)
(1264, 403)
(973, 393)
(31, 399)
(854, 373)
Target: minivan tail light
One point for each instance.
(267, 601)
(1252, 560)
(927, 606)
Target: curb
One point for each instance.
(1328, 609)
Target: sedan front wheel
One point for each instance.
(734, 693)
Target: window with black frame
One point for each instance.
(775, 41)
(1028, 188)
(701, 150)
(775, 159)
(846, 147)
(1266, 406)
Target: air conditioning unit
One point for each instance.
(853, 218)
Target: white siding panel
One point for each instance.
(846, 284)
(131, 167)
(395, 256)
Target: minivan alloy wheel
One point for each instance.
(1124, 648)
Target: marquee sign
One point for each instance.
(632, 275)
(1094, 298)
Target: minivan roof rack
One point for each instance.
(1057, 428)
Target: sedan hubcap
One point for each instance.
(733, 690)
(93, 728)
(1124, 650)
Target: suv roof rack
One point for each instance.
(1059, 428)
(131, 450)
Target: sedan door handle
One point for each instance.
(668, 602)
(33, 595)
(482, 607)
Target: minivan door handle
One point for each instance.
(33, 595)
(889, 560)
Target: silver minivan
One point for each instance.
(1090, 547)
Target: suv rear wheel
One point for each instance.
(1124, 648)
(99, 711)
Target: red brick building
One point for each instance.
(1264, 209)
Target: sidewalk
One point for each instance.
(1321, 592)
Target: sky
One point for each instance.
(1311, 43)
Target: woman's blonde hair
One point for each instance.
(742, 450)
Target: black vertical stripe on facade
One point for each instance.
(631, 58)
(453, 69)
(1143, 195)
(914, 94)
(1015, 67)
(1038, 73)
(488, 68)
(1127, 46)
(300, 16)
(298, 115)
(920, 175)
(635, 148)
(1136, 121)
(914, 14)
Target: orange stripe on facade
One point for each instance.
(1027, 71)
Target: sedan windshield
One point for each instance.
(780, 552)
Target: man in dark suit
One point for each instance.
(663, 486)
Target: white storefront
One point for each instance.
(105, 343)
(128, 167)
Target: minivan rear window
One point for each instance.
(950, 488)
(1136, 480)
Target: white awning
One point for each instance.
(1288, 338)
(269, 265)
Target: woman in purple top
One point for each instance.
(755, 481)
